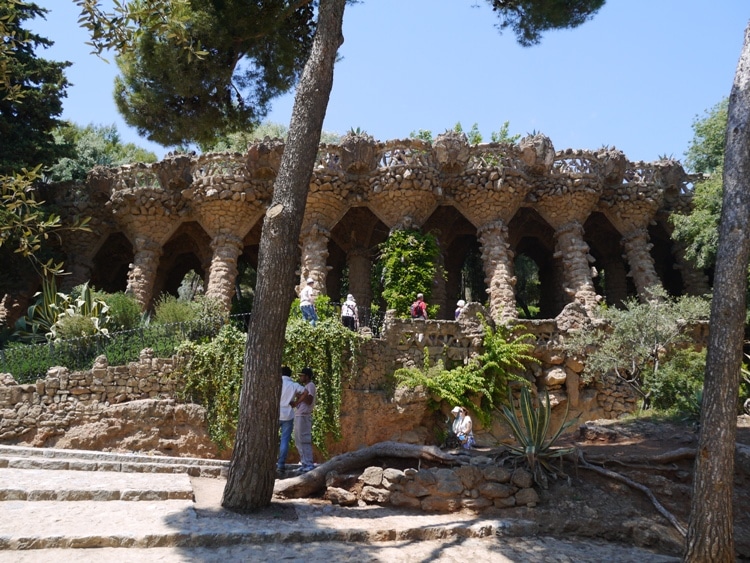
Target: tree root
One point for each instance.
(664, 458)
(616, 476)
(314, 481)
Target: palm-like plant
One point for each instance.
(530, 429)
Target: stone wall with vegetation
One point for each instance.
(373, 409)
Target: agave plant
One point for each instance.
(530, 428)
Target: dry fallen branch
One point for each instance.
(314, 481)
(647, 460)
(614, 475)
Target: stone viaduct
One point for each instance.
(595, 223)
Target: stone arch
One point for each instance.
(665, 263)
(531, 235)
(352, 249)
(189, 248)
(111, 263)
(457, 238)
(605, 245)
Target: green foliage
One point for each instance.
(530, 430)
(212, 374)
(124, 311)
(238, 141)
(635, 342)
(676, 386)
(190, 287)
(43, 313)
(530, 19)
(504, 136)
(178, 96)
(331, 350)
(486, 377)
(409, 265)
(31, 92)
(706, 151)
(93, 145)
(172, 309)
(25, 223)
(528, 286)
(422, 134)
(83, 315)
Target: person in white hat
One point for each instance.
(349, 313)
(460, 307)
(462, 427)
(307, 302)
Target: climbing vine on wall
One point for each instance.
(409, 262)
(331, 350)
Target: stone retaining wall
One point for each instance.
(476, 486)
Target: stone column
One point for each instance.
(498, 266)
(223, 270)
(314, 257)
(359, 263)
(572, 250)
(637, 251)
(142, 272)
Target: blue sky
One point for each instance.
(635, 77)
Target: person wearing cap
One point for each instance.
(307, 302)
(304, 406)
(462, 427)
(460, 307)
(349, 313)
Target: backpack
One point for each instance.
(416, 310)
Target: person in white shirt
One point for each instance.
(349, 313)
(462, 427)
(290, 389)
(307, 302)
(305, 404)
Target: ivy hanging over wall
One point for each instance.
(409, 263)
(212, 372)
(331, 350)
(487, 376)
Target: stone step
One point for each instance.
(177, 523)
(19, 457)
(65, 485)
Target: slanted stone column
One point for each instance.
(571, 249)
(358, 260)
(314, 257)
(637, 250)
(498, 267)
(223, 270)
(142, 272)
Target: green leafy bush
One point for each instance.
(486, 377)
(124, 311)
(674, 387)
(409, 264)
(171, 309)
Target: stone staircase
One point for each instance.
(53, 502)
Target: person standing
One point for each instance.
(419, 308)
(459, 307)
(303, 419)
(462, 427)
(290, 389)
(307, 302)
(349, 313)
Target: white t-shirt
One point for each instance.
(307, 295)
(289, 388)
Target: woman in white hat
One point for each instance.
(462, 427)
(459, 307)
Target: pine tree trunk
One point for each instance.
(252, 469)
(710, 535)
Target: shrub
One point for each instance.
(124, 311)
(170, 309)
(675, 385)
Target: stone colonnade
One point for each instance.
(500, 196)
